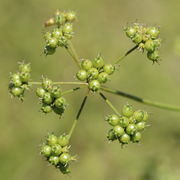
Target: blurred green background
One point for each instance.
(98, 29)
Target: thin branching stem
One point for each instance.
(141, 100)
(60, 83)
(126, 54)
(72, 52)
(109, 104)
(78, 115)
(70, 91)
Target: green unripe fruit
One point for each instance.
(68, 28)
(52, 43)
(124, 121)
(111, 136)
(46, 108)
(52, 139)
(25, 77)
(56, 149)
(153, 32)
(94, 85)
(57, 33)
(55, 92)
(40, 92)
(49, 51)
(64, 158)
(64, 168)
(25, 68)
(47, 36)
(153, 56)
(15, 77)
(98, 62)
(93, 73)
(118, 130)
(47, 98)
(138, 115)
(60, 102)
(60, 19)
(137, 38)
(47, 84)
(103, 77)
(130, 32)
(140, 126)
(63, 140)
(109, 69)
(82, 75)
(17, 91)
(86, 64)
(46, 150)
(54, 160)
(127, 110)
(150, 45)
(113, 120)
(136, 137)
(70, 16)
(146, 116)
(125, 139)
(131, 129)
(59, 110)
(132, 120)
(17, 83)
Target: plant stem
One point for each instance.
(72, 52)
(141, 100)
(109, 104)
(61, 83)
(77, 116)
(126, 54)
(70, 91)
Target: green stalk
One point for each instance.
(77, 116)
(72, 52)
(60, 83)
(141, 100)
(109, 104)
(126, 54)
(70, 91)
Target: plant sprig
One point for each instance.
(127, 125)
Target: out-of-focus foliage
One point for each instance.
(98, 29)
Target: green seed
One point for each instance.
(46, 150)
(94, 85)
(118, 130)
(81, 75)
(125, 139)
(127, 110)
(64, 158)
(86, 64)
(113, 120)
(131, 129)
(109, 69)
(103, 77)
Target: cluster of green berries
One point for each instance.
(56, 151)
(51, 97)
(59, 36)
(146, 38)
(19, 80)
(95, 72)
(127, 127)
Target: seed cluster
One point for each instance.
(51, 97)
(59, 36)
(95, 72)
(127, 127)
(147, 38)
(19, 81)
(56, 151)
